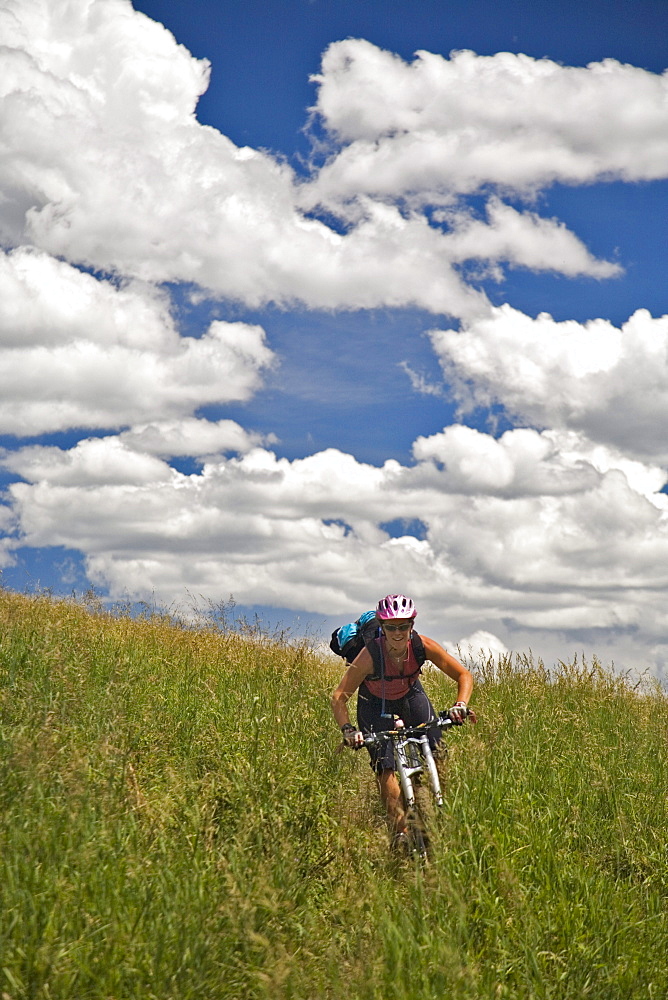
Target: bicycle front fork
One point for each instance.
(408, 754)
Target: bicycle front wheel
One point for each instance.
(418, 819)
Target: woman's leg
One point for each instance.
(390, 793)
(370, 719)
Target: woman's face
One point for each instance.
(397, 633)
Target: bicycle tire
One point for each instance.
(417, 818)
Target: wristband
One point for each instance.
(348, 727)
(460, 704)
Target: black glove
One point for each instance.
(352, 737)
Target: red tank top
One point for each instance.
(394, 687)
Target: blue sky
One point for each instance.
(296, 314)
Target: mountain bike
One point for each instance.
(413, 757)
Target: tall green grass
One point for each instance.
(176, 823)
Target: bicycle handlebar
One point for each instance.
(443, 721)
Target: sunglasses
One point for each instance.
(398, 628)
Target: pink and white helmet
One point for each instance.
(395, 606)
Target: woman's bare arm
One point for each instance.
(360, 668)
(450, 666)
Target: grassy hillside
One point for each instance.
(175, 823)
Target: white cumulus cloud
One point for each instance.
(522, 239)
(441, 126)
(611, 383)
(76, 351)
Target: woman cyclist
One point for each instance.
(395, 690)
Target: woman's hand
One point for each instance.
(352, 737)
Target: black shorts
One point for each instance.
(413, 708)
